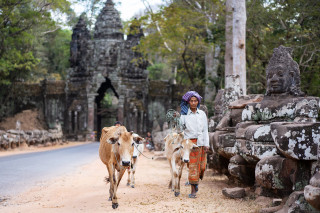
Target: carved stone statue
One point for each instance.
(278, 137)
(284, 122)
(283, 74)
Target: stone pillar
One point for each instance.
(69, 122)
(90, 116)
(120, 109)
(90, 119)
(141, 122)
(75, 122)
(135, 120)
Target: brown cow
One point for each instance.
(177, 151)
(115, 151)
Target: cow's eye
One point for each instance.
(118, 143)
(132, 144)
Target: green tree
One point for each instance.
(54, 51)
(22, 23)
(177, 35)
(290, 23)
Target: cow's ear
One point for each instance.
(112, 140)
(181, 134)
(138, 139)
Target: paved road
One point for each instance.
(20, 172)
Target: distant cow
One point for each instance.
(138, 149)
(115, 151)
(177, 151)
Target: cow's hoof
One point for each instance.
(132, 186)
(176, 194)
(115, 205)
(110, 199)
(128, 184)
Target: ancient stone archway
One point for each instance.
(97, 62)
(106, 106)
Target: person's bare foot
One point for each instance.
(193, 191)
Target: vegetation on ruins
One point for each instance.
(178, 37)
(181, 25)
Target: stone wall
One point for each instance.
(12, 139)
(104, 61)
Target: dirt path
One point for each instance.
(86, 191)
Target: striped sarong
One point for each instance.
(197, 163)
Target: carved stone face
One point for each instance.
(278, 80)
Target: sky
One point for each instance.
(127, 8)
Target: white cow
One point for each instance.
(138, 150)
(177, 151)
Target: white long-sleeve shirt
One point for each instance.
(196, 126)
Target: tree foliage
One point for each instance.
(33, 46)
(290, 23)
(175, 34)
(178, 35)
(22, 24)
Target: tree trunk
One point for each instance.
(212, 64)
(228, 59)
(239, 42)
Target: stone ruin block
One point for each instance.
(276, 173)
(238, 167)
(312, 191)
(297, 203)
(297, 140)
(14, 138)
(278, 135)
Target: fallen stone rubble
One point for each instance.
(12, 139)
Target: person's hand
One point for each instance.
(206, 148)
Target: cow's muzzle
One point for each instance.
(125, 163)
(186, 161)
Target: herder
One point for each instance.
(195, 124)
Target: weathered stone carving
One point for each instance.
(283, 74)
(79, 44)
(278, 136)
(106, 62)
(277, 130)
(229, 105)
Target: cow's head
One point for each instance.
(138, 142)
(185, 148)
(178, 138)
(123, 145)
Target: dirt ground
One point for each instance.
(29, 119)
(85, 191)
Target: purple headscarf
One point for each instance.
(185, 101)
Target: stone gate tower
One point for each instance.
(101, 62)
